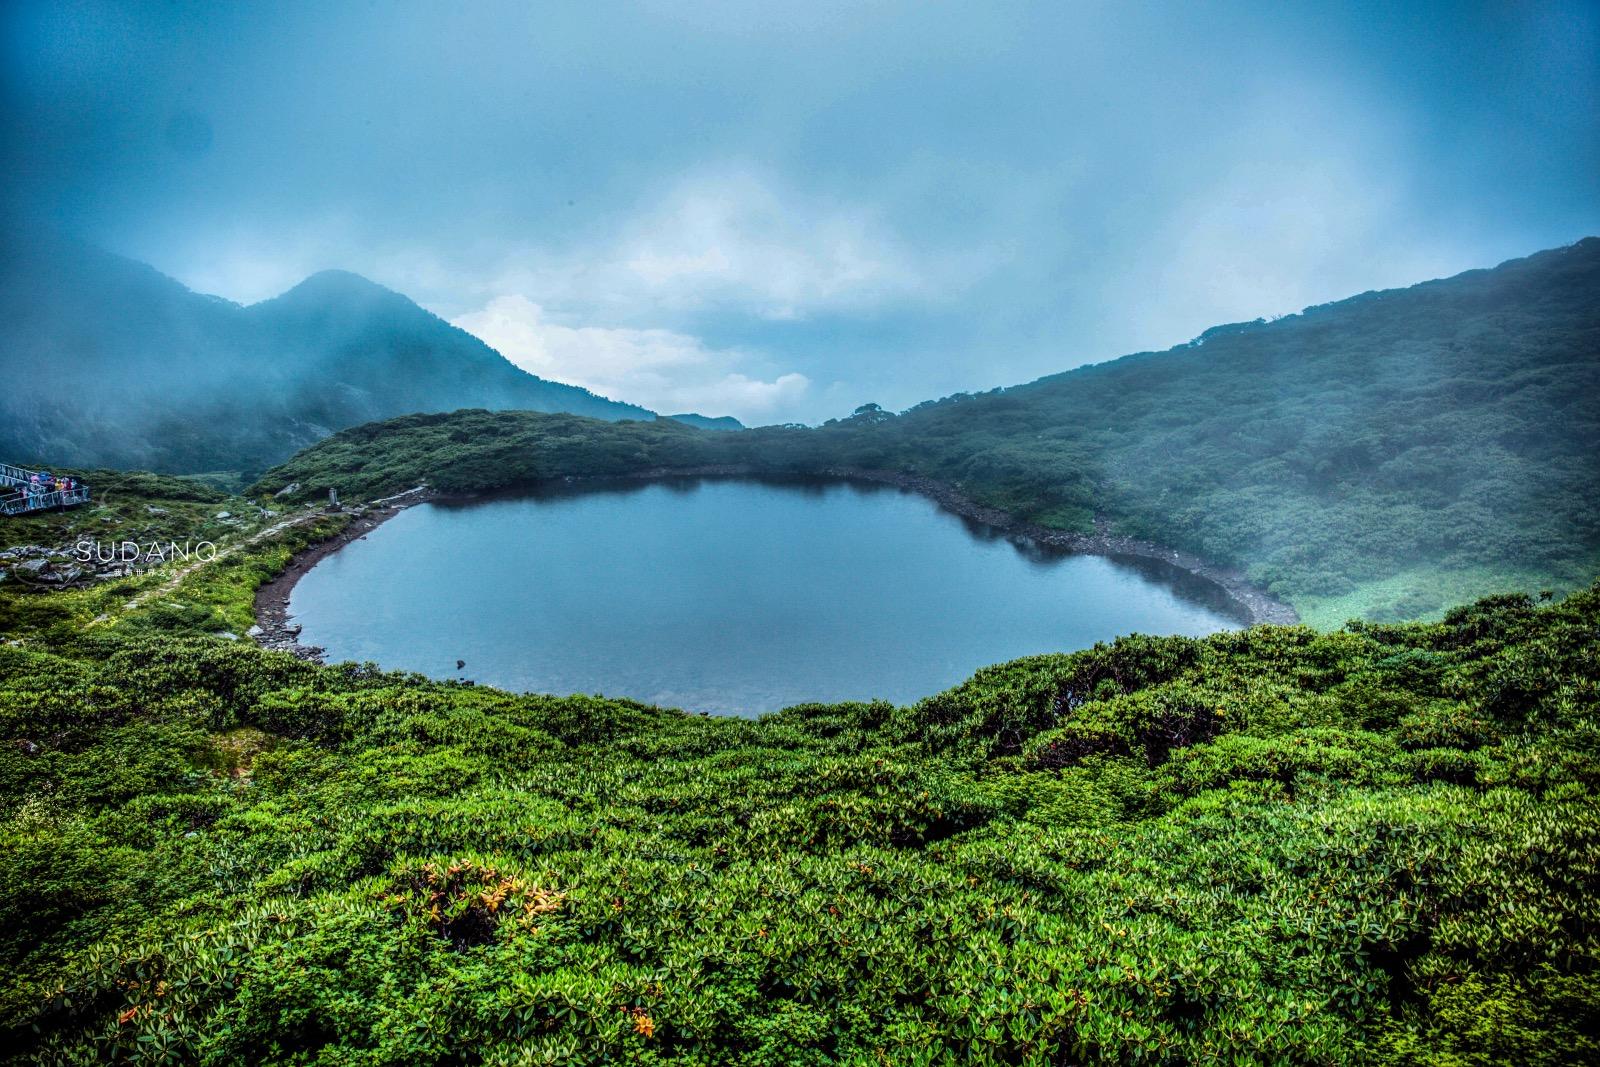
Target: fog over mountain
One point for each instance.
(115, 364)
(782, 210)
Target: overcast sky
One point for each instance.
(781, 211)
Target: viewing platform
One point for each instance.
(23, 491)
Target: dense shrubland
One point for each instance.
(1372, 845)
(1381, 457)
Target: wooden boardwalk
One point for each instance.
(18, 495)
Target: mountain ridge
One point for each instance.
(127, 367)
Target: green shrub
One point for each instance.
(1274, 845)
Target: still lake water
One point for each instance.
(733, 597)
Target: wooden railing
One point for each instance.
(10, 475)
(65, 498)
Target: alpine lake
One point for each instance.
(732, 597)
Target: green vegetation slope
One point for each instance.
(1417, 444)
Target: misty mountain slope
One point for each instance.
(1451, 425)
(400, 357)
(121, 366)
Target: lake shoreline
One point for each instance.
(278, 631)
(275, 629)
(1256, 605)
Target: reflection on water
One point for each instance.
(734, 597)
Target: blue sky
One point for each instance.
(780, 210)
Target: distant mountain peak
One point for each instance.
(163, 377)
(340, 285)
(336, 274)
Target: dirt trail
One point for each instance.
(176, 578)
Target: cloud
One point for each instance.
(1310, 201)
(732, 237)
(661, 369)
(729, 241)
(883, 196)
(722, 242)
(247, 264)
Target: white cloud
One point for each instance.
(731, 241)
(1323, 207)
(246, 264)
(722, 240)
(661, 369)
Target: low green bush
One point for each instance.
(1378, 845)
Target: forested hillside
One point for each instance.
(1423, 443)
(1384, 456)
(111, 363)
